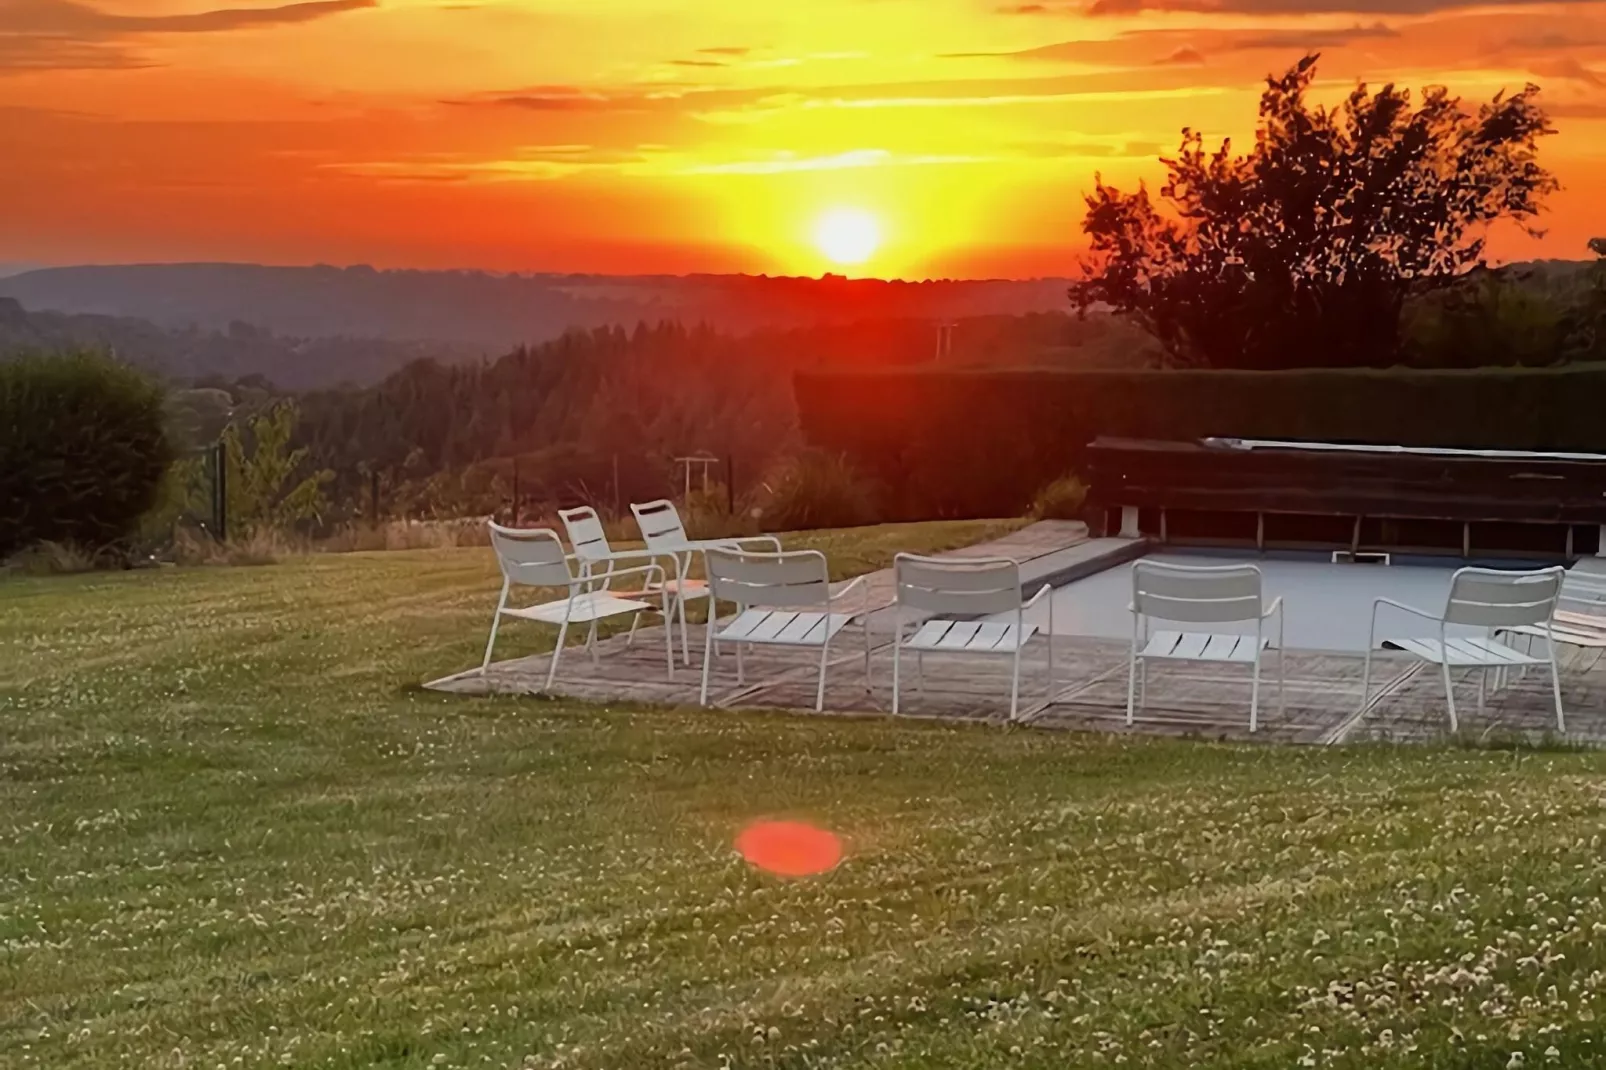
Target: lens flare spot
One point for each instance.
(789, 848)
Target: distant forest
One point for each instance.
(601, 413)
(594, 406)
(495, 311)
(237, 351)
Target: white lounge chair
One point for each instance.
(975, 587)
(534, 557)
(782, 599)
(665, 534)
(600, 561)
(1583, 627)
(1201, 594)
(1491, 599)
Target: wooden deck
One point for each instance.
(1323, 691)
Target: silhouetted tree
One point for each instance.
(1303, 251)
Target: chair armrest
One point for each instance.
(1038, 597)
(650, 570)
(857, 581)
(847, 589)
(1424, 614)
(1275, 607)
(624, 555)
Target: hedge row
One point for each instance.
(958, 443)
(83, 449)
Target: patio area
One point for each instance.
(1202, 700)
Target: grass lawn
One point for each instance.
(233, 833)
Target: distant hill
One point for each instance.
(495, 310)
(239, 351)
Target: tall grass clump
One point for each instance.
(83, 451)
(1061, 499)
(817, 489)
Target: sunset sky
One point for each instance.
(703, 135)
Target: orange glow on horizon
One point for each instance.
(628, 136)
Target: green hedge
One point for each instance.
(982, 443)
(83, 449)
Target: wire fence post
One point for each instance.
(515, 492)
(220, 491)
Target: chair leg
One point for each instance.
(1366, 678)
(1131, 682)
(920, 672)
(897, 665)
(708, 659)
(1483, 686)
(680, 602)
(1449, 693)
(869, 686)
(1254, 696)
(591, 634)
(491, 642)
(741, 671)
(1555, 688)
(1014, 684)
(635, 621)
(552, 673)
(819, 694)
(669, 646)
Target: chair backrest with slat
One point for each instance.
(586, 535)
(1196, 594)
(661, 527)
(788, 580)
(532, 557)
(979, 586)
(1493, 598)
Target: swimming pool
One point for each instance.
(1328, 606)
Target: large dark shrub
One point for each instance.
(983, 443)
(83, 449)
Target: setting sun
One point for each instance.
(847, 235)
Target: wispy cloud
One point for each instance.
(68, 35)
(549, 162)
(1279, 7)
(783, 163)
(72, 18)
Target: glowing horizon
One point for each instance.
(648, 136)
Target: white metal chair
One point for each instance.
(1492, 599)
(782, 599)
(1584, 628)
(600, 561)
(1201, 594)
(974, 587)
(534, 557)
(665, 534)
